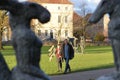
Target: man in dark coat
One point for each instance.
(68, 53)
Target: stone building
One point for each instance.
(106, 21)
(61, 22)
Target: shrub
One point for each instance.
(99, 37)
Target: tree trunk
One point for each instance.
(59, 36)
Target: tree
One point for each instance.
(82, 21)
(99, 37)
(3, 25)
(82, 26)
(84, 10)
(85, 29)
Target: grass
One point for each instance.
(96, 57)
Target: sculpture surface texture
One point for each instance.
(112, 8)
(26, 45)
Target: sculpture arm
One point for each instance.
(10, 5)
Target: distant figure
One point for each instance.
(68, 53)
(82, 44)
(59, 57)
(51, 52)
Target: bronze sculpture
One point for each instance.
(112, 8)
(27, 46)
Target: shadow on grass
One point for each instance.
(87, 69)
(98, 51)
(111, 65)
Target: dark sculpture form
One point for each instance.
(27, 46)
(111, 7)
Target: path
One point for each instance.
(86, 75)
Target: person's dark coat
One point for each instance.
(70, 51)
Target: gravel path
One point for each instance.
(86, 75)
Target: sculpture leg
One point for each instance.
(37, 52)
(5, 73)
(18, 74)
(28, 56)
(116, 51)
(26, 67)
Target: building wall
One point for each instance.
(106, 21)
(61, 19)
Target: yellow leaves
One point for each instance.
(3, 19)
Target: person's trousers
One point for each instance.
(67, 67)
(59, 61)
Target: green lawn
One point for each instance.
(96, 57)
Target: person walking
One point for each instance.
(68, 53)
(59, 57)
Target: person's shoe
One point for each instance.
(65, 73)
(69, 70)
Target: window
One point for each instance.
(66, 20)
(51, 34)
(59, 19)
(46, 32)
(66, 8)
(39, 32)
(58, 7)
(66, 33)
